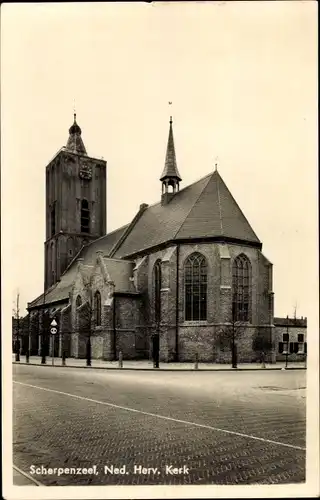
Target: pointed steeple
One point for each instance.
(75, 142)
(170, 177)
(170, 168)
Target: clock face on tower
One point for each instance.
(85, 171)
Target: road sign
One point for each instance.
(53, 323)
(53, 330)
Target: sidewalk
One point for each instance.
(148, 365)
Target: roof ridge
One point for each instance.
(127, 231)
(175, 234)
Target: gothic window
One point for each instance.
(241, 290)
(85, 217)
(97, 308)
(157, 291)
(53, 220)
(78, 304)
(195, 286)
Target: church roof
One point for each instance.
(170, 167)
(202, 210)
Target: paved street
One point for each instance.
(216, 427)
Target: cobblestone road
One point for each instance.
(211, 425)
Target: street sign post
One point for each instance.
(53, 331)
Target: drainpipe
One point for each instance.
(177, 306)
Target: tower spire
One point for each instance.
(170, 176)
(75, 142)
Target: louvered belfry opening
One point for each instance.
(85, 217)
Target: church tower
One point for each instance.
(75, 204)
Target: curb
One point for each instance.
(161, 369)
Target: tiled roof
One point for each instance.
(59, 291)
(203, 209)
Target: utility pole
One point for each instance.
(287, 352)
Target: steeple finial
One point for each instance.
(170, 170)
(75, 142)
(170, 104)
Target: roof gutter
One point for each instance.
(186, 241)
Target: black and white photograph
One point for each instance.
(159, 172)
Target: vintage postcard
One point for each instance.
(160, 333)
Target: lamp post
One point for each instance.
(53, 331)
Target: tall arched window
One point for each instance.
(97, 308)
(241, 290)
(78, 304)
(85, 217)
(195, 285)
(157, 291)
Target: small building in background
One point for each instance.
(290, 338)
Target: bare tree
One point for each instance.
(228, 337)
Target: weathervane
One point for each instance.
(216, 163)
(170, 104)
(74, 108)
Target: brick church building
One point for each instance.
(183, 269)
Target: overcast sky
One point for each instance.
(243, 81)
